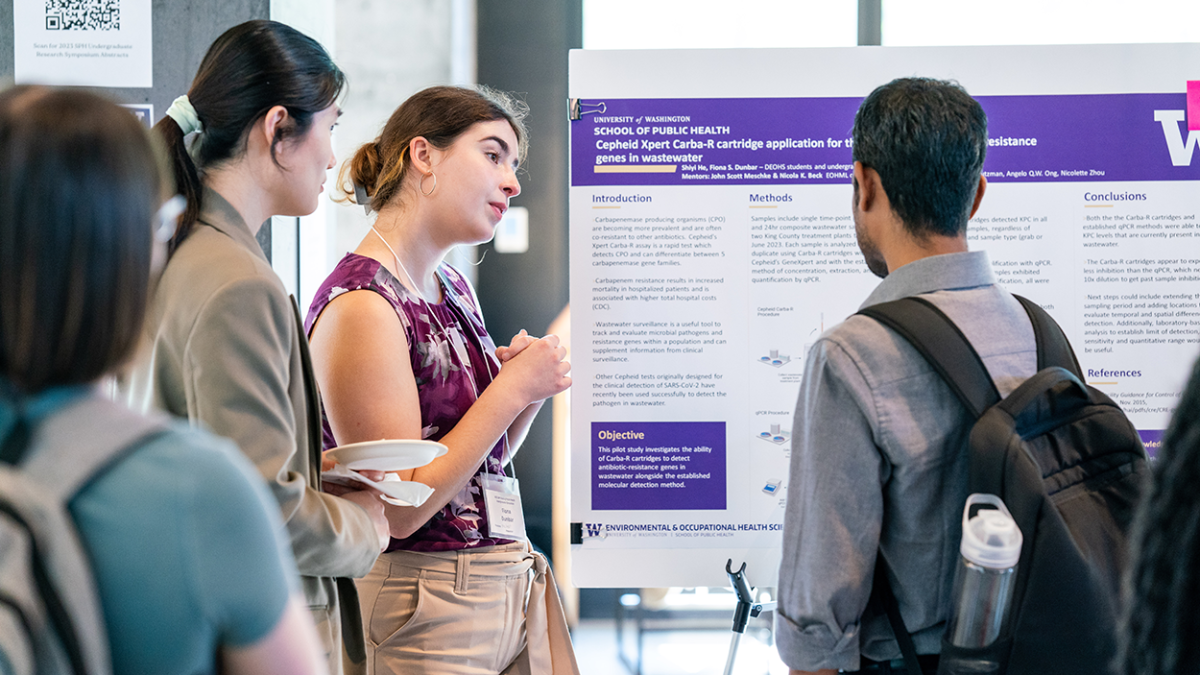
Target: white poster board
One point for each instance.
(711, 243)
(89, 43)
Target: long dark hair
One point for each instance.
(1161, 621)
(79, 185)
(251, 68)
(438, 114)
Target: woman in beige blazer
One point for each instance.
(252, 140)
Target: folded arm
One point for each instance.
(361, 357)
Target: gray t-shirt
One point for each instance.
(876, 466)
(188, 552)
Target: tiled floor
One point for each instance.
(672, 652)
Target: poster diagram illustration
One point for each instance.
(776, 435)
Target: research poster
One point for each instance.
(712, 244)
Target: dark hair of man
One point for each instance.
(79, 186)
(1162, 588)
(250, 69)
(926, 139)
(439, 115)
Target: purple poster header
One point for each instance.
(798, 141)
(658, 466)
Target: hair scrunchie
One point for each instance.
(185, 116)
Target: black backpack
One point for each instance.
(1069, 466)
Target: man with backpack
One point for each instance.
(880, 467)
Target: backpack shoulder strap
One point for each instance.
(943, 345)
(73, 446)
(884, 595)
(67, 450)
(1053, 348)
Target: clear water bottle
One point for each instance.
(983, 583)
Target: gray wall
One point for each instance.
(182, 32)
(389, 50)
(522, 47)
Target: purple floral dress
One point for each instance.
(450, 366)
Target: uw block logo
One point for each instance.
(1182, 149)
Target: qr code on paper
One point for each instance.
(83, 14)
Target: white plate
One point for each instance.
(394, 455)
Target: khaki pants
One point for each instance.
(341, 636)
(464, 613)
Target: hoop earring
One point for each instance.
(422, 186)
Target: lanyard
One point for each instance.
(501, 494)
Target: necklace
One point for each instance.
(396, 259)
(454, 345)
(505, 454)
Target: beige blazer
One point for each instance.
(225, 349)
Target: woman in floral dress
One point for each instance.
(400, 351)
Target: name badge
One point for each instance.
(502, 497)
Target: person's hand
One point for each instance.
(519, 342)
(337, 489)
(327, 464)
(538, 371)
(369, 500)
(371, 475)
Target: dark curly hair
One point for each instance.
(927, 140)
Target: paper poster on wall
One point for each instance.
(91, 43)
(712, 244)
(144, 112)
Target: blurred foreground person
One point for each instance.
(183, 541)
(1161, 622)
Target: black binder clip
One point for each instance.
(578, 109)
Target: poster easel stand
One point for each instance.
(745, 610)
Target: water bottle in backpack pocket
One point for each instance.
(983, 588)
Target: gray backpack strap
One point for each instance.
(45, 576)
(76, 443)
(936, 337)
